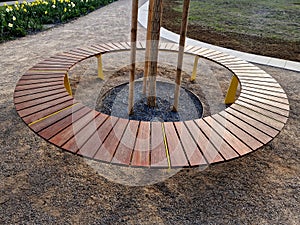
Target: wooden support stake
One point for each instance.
(148, 47)
(100, 67)
(183, 31)
(134, 22)
(194, 74)
(155, 34)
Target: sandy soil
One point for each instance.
(41, 184)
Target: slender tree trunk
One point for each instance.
(134, 23)
(155, 33)
(148, 46)
(183, 31)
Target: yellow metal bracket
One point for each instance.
(67, 84)
(100, 67)
(194, 74)
(166, 145)
(231, 93)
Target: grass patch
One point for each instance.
(277, 19)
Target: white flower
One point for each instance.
(14, 18)
(53, 6)
(73, 4)
(10, 25)
(7, 10)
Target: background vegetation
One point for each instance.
(22, 18)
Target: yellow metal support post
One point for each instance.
(100, 67)
(194, 74)
(230, 97)
(67, 84)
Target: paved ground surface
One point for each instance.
(40, 184)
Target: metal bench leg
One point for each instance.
(67, 84)
(230, 97)
(100, 67)
(194, 74)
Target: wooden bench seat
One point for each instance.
(43, 101)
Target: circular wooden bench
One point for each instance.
(42, 99)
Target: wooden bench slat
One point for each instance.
(176, 152)
(213, 54)
(260, 74)
(108, 47)
(237, 119)
(34, 96)
(266, 92)
(158, 149)
(163, 45)
(100, 48)
(270, 108)
(228, 61)
(120, 46)
(193, 50)
(38, 101)
(37, 90)
(223, 148)
(265, 112)
(235, 127)
(56, 106)
(270, 131)
(110, 144)
(266, 96)
(47, 122)
(72, 55)
(255, 115)
(36, 86)
(112, 47)
(125, 44)
(263, 88)
(41, 76)
(79, 139)
(43, 106)
(252, 78)
(61, 58)
(63, 136)
(208, 150)
(56, 62)
(86, 51)
(124, 151)
(191, 149)
(141, 153)
(266, 101)
(52, 126)
(262, 83)
(47, 69)
(24, 82)
(240, 147)
(92, 145)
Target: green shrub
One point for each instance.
(21, 18)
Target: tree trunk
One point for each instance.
(155, 33)
(148, 47)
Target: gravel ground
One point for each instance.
(40, 184)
